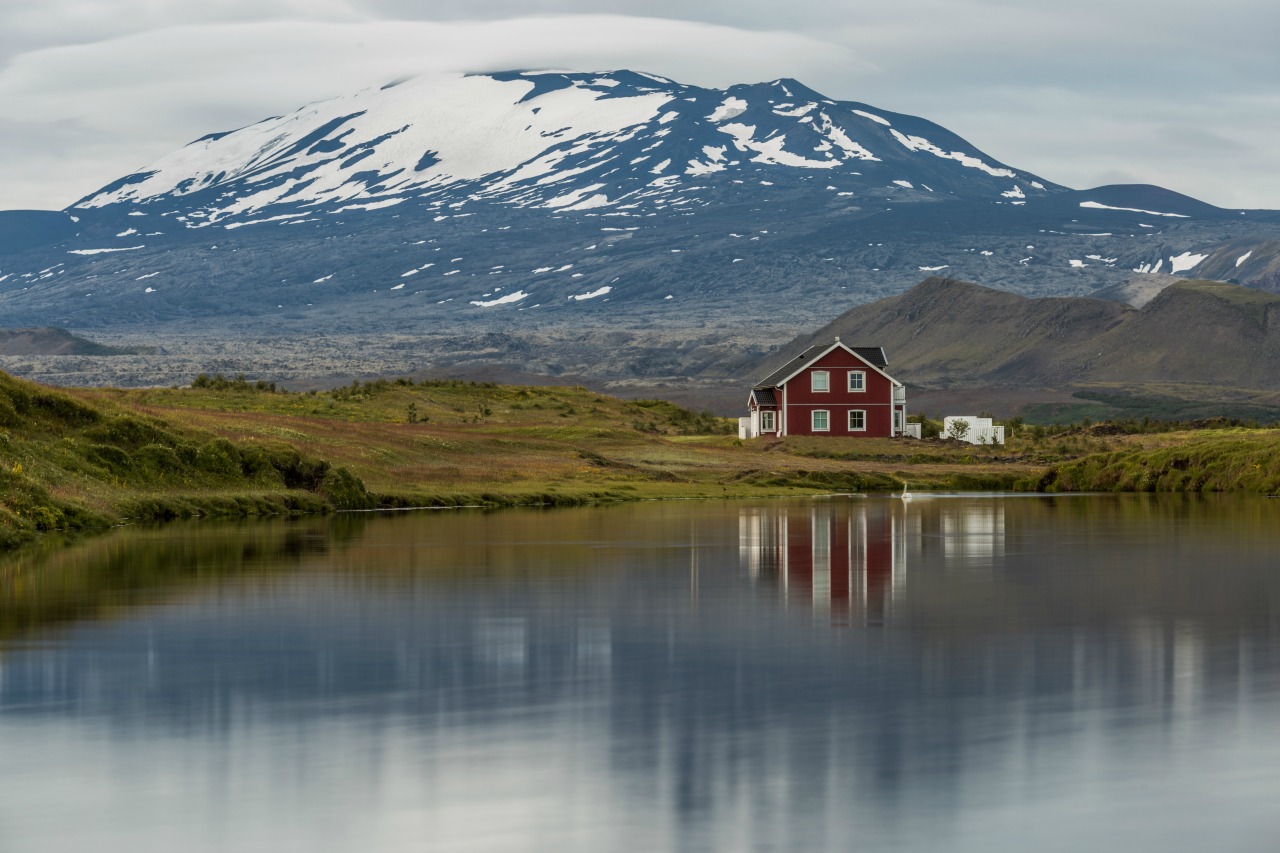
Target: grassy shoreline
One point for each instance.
(78, 460)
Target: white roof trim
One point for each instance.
(826, 352)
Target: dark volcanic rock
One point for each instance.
(47, 341)
(949, 333)
(609, 225)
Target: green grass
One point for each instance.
(84, 459)
(69, 463)
(1253, 302)
(1114, 406)
(1232, 460)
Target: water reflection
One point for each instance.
(957, 673)
(851, 559)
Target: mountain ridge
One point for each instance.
(945, 332)
(511, 134)
(521, 218)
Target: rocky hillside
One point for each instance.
(49, 341)
(615, 227)
(947, 332)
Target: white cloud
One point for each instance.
(134, 97)
(1074, 92)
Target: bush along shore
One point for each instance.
(76, 460)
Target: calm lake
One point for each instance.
(953, 673)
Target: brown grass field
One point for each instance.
(85, 458)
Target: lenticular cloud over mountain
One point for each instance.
(614, 222)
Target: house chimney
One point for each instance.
(837, 339)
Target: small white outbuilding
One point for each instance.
(973, 429)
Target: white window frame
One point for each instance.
(897, 420)
(853, 412)
(769, 421)
(826, 381)
(813, 420)
(862, 381)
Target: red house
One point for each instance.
(828, 390)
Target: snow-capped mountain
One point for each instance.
(570, 142)
(611, 222)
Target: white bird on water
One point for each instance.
(906, 495)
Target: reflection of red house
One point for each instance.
(844, 561)
(828, 390)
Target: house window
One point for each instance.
(767, 422)
(821, 420)
(897, 420)
(857, 380)
(819, 380)
(857, 420)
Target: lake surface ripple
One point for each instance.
(953, 673)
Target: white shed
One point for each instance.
(973, 429)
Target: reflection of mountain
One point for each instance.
(852, 558)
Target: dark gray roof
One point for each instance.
(764, 397)
(871, 355)
(798, 363)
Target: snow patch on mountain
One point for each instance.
(600, 291)
(472, 125)
(501, 300)
(790, 111)
(103, 251)
(729, 108)
(1094, 205)
(230, 226)
(771, 150)
(839, 137)
(1184, 262)
(919, 143)
(873, 117)
(558, 140)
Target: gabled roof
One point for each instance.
(764, 397)
(873, 356)
(792, 367)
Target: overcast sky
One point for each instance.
(1180, 93)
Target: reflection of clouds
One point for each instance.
(1169, 664)
(972, 533)
(594, 644)
(153, 90)
(501, 642)
(760, 530)
(568, 713)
